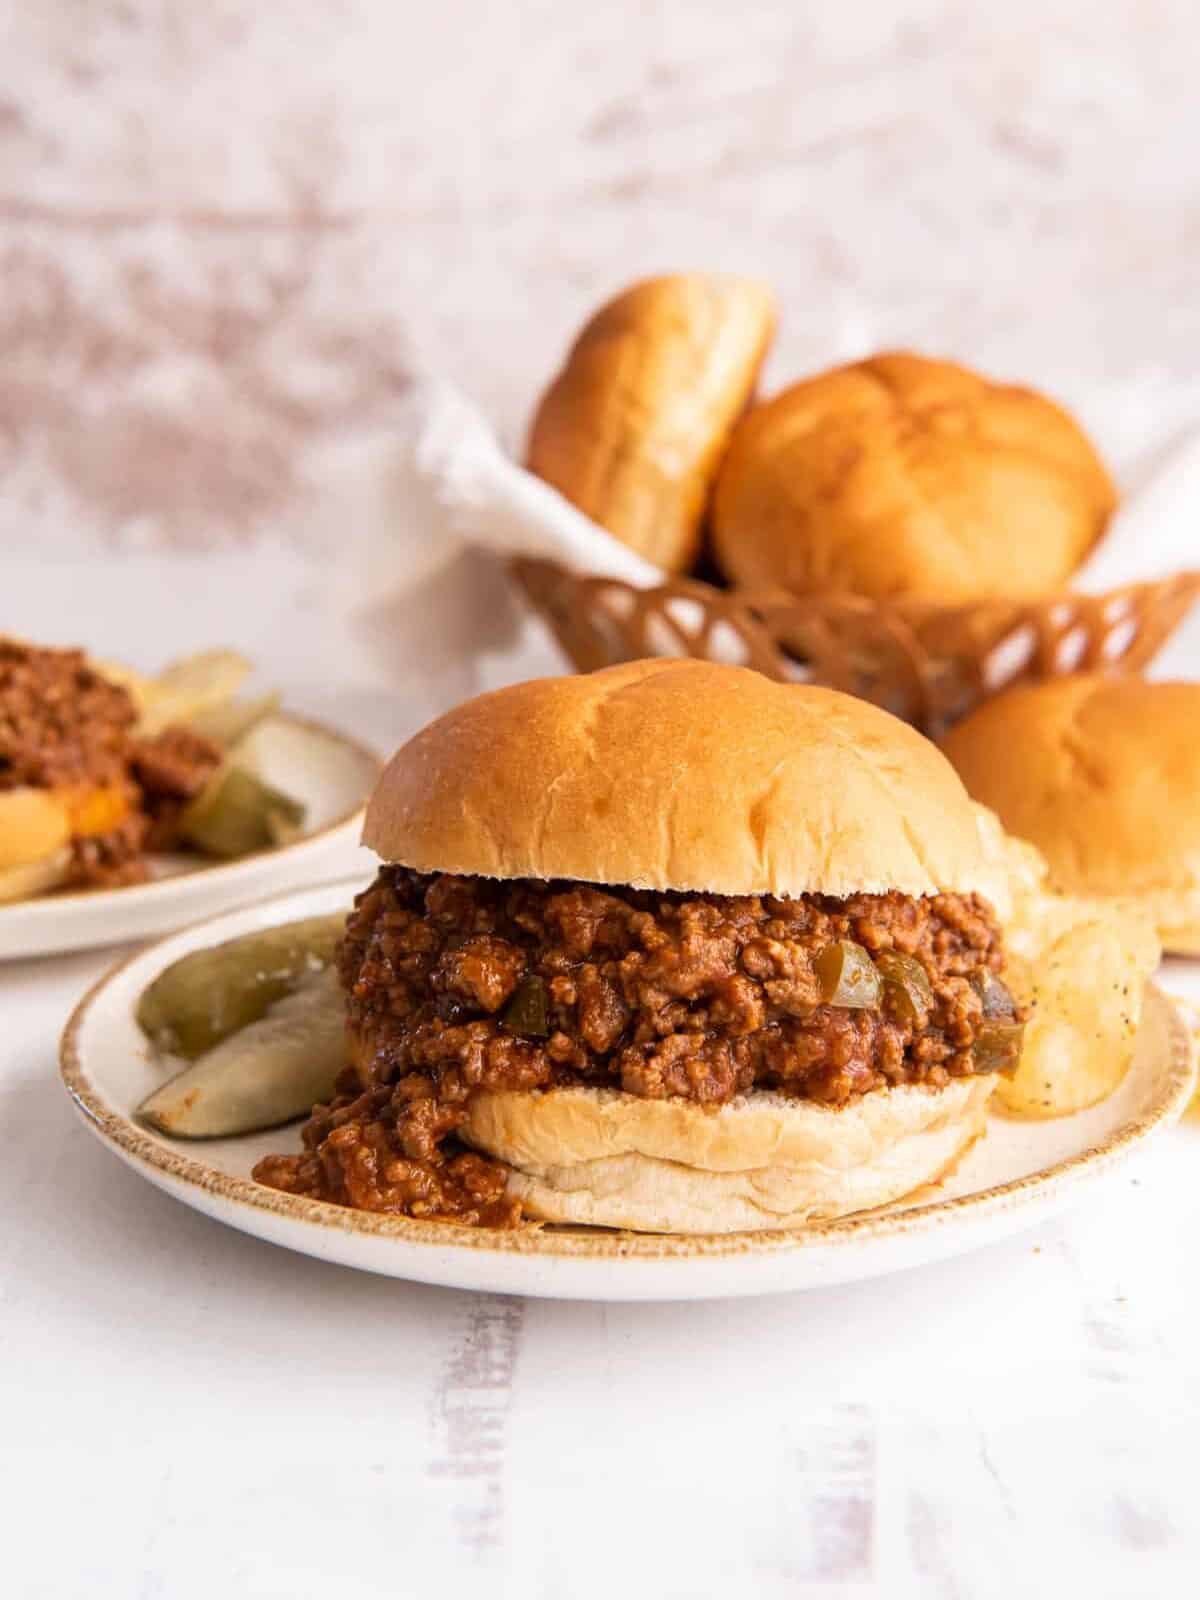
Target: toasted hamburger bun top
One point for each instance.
(1103, 775)
(904, 476)
(682, 775)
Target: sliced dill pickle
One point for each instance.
(997, 1046)
(906, 986)
(203, 997)
(237, 813)
(848, 976)
(271, 1071)
(528, 1012)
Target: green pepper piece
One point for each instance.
(997, 1046)
(848, 976)
(996, 996)
(237, 814)
(906, 986)
(528, 1012)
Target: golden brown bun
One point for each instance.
(37, 826)
(34, 824)
(678, 775)
(902, 476)
(633, 428)
(1103, 775)
(610, 1159)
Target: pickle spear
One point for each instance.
(237, 813)
(272, 1071)
(203, 997)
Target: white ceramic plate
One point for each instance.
(330, 772)
(1019, 1174)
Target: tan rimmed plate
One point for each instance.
(330, 772)
(1018, 1175)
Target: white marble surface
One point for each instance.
(189, 1412)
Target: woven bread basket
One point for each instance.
(927, 663)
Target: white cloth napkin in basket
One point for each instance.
(459, 488)
(455, 491)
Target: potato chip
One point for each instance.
(197, 684)
(1189, 1010)
(1080, 965)
(1084, 985)
(235, 719)
(1014, 871)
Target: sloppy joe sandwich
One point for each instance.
(1107, 787)
(101, 768)
(666, 947)
(909, 477)
(83, 792)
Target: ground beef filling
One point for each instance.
(65, 726)
(62, 725)
(170, 770)
(701, 997)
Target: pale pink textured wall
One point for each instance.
(227, 228)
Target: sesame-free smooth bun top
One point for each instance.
(633, 428)
(1101, 773)
(684, 775)
(905, 476)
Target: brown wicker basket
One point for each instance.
(928, 663)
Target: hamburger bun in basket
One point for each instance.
(906, 477)
(633, 429)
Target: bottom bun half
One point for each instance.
(607, 1159)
